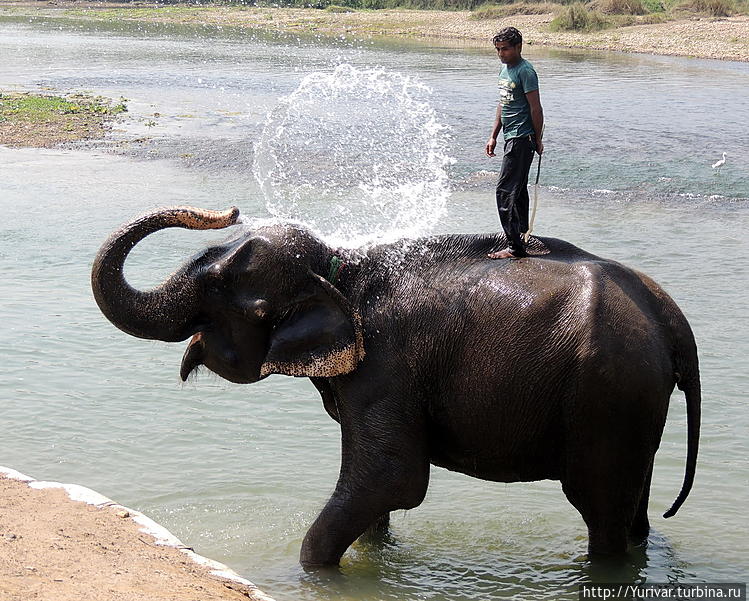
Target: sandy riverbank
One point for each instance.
(55, 549)
(725, 38)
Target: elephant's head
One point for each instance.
(254, 305)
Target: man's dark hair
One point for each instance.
(508, 34)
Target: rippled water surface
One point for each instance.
(239, 472)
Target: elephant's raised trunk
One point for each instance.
(164, 313)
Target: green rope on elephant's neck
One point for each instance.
(336, 264)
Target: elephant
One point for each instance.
(557, 366)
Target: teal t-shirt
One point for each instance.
(514, 83)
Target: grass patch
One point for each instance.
(619, 7)
(578, 17)
(653, 18)
(499, 11)
(40, 120)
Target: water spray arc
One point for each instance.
(359, 155)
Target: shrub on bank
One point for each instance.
(578, 17)
(498, 11)
(713, 8)
(654, 6)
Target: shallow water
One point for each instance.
(240, 472)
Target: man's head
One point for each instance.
(509, 45)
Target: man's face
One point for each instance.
(508, 53)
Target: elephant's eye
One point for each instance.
(212, 286)
(212, 280)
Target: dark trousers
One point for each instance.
(512, 190)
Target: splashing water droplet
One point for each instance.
(359, 155)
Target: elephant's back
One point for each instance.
(522, 335)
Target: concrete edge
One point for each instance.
(161, 535)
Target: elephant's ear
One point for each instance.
(321, 338)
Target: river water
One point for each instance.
(220, 117)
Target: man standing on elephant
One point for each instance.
(521, 118)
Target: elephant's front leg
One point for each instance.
(344, 518)
(377, 530)
(383, 469)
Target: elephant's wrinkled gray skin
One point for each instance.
(552, 367)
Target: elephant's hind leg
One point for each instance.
(611, 493)
(606, 477)
(638, 532)
(606, 517)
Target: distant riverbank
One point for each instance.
(702, 37)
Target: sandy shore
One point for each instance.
(53, 548)
(726, 38)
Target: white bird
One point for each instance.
(718, 164)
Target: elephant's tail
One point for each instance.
(692, 391)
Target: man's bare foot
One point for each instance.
(505, 253)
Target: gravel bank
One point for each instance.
(725, 39)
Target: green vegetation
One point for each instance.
(619, 7)
(33, 109)
(595, 15)
(654, 6)
(46, 120)
(653, 18)
(602, 14)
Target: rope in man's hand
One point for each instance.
(527, 235)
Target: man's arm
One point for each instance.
(491, 143)
(537, 117)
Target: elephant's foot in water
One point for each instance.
(617, 542)
(339, 524)
(378, 532)
(640, 528)
(354, 511)
(638, 533)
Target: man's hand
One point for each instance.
(491, 144)
(539, 147)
